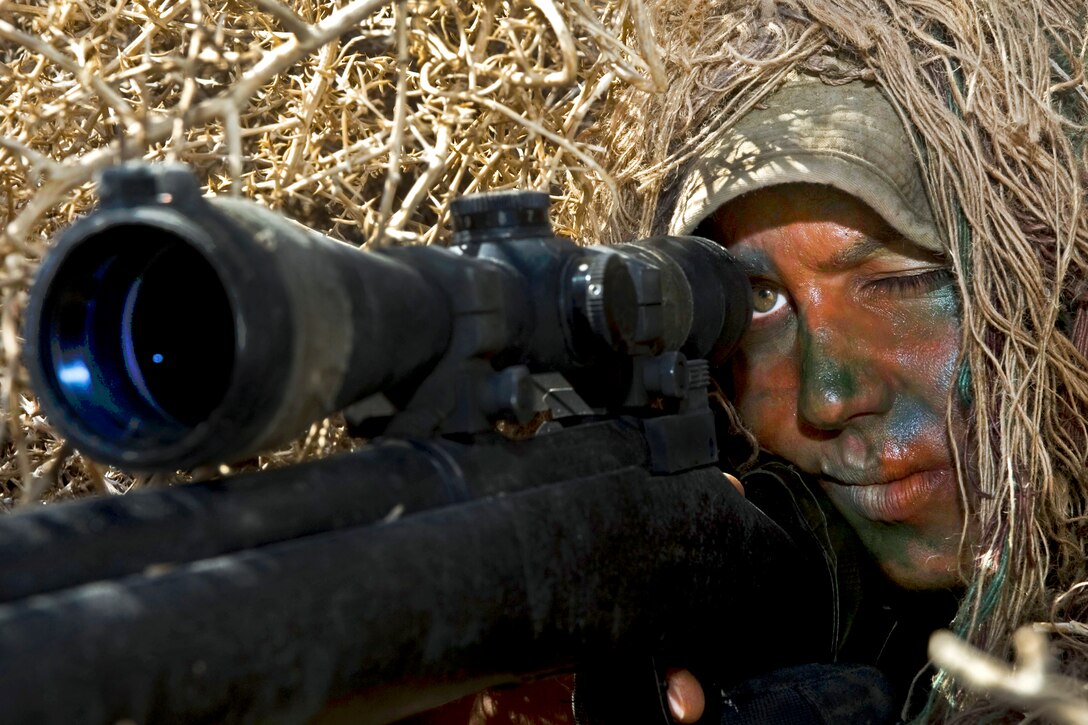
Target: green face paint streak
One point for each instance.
(963, 385)
(825, 373)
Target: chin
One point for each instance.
(936, 571)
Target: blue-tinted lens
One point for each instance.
(141, 334)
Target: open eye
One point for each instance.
(766, 300)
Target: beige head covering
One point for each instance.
(846, 136)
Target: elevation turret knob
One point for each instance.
(499, 215)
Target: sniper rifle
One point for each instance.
(168, 331)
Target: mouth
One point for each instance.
(904, 500)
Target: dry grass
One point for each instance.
(360, 118)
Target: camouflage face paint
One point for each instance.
(848, 368)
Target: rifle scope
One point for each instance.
(168, 330)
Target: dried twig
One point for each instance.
(288, 18)
(1029, 685)
(10, 33)
(567, 50)
(400, 115)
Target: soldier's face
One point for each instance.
(848, 366)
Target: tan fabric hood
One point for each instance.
(847, 136)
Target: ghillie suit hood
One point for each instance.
(996, 95)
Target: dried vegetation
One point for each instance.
(360, 118)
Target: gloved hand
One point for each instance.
(812, 694)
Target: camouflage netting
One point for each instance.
(361, 119)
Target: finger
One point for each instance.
(484, 709)
(686, 699)
(542, 702)
(735, 481)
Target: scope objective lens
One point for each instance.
(140, 334)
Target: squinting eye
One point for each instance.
(766, 300)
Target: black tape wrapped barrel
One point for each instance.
(413, 612)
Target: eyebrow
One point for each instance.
(859, 251)
(866, 246)
(754, 263)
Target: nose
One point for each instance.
(840, 381)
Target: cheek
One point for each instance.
(765, 389)
(929, 328)
(926, 358)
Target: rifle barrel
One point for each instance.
(60, 546)
(419, 610)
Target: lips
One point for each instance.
(904, 500)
